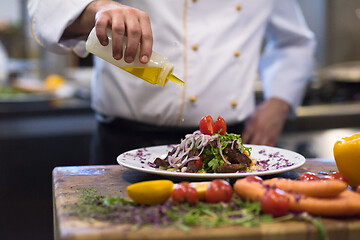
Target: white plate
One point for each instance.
(274, 160)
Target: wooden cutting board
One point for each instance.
(113, 180)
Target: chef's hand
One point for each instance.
(123, 21)
(266, 124)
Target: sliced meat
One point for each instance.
(212, 143)
(236, 157)
(231, 168)
(161, 162)
(193, 152)
(191, 167)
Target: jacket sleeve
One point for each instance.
(287, 63)
(49, 19)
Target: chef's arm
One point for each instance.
(285, 68)
(62, 26)
(287, 64)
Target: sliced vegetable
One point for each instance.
(219, 191)
(206, 125)
(201, 188)
(220, 126)
(150, 192)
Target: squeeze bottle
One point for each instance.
(157, 71)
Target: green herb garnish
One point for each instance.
(212, 155)
(121, 211)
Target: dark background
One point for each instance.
(34, 139)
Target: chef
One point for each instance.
(218, 48)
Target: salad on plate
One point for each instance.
(208, 150)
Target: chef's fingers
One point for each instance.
(263, 138)
(118, 30)
(102, 21)
(255, 138)
(257, 133)
(133, 32)
(146, 38)
(125, 21)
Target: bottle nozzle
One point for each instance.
(175, 79)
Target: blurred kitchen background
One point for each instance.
(40, 130)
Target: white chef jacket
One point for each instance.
(217, 48)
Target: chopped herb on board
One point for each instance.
(119, 210)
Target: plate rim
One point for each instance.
(156, 171)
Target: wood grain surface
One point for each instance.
(113, 180)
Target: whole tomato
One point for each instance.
(309, 176)
(206, 125)
(275, 202)
(220, 126)
(218, 191)
(185, 192)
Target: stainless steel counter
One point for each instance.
(325, 116)
(317, 127)
(46, 118)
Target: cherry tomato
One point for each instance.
(218, 191)
(309, 176)
(185, 192)
(275, 202)
(220, 124)
(358, 189)
(206, 125)
(179, 194)
(338, 176)
(252, 178)
(192, 194)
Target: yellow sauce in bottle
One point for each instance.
(157, 71)
(150, 74)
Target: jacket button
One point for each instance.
(194, 1)
(192, 98)
(195, 47)
(237, 54)
(238, 7)
(234, 103)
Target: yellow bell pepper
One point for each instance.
(347, 157)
